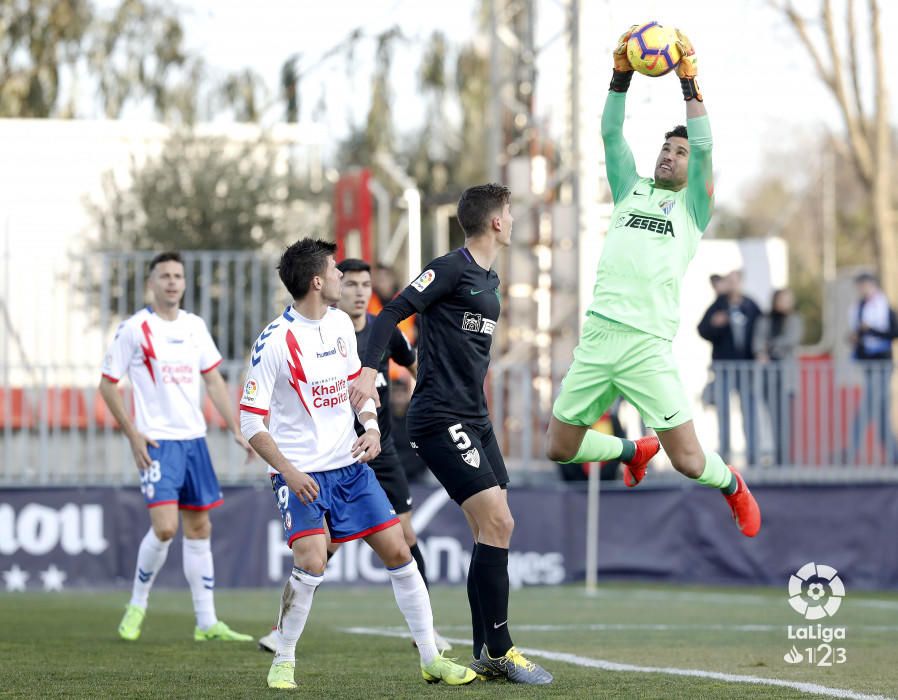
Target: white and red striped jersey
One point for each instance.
(164, 361)
(299, 376)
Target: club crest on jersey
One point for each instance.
(249, 390)
(472, 457)
(341, 347)
(475, 323)
(667, 206)
(424, 280)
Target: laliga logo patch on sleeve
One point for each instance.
(424, 280)
(249, 390)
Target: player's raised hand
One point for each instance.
(363, 389)
(688, 65)
(621, 62)
(139, 444)
(303, 485)
(367, 447)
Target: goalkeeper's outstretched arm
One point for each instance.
(620, 166)
(700, 184)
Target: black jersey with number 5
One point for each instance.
(458, 302)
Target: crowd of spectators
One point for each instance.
(753, 356)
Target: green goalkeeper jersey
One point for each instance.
(653, 234)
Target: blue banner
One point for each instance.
(60, 538)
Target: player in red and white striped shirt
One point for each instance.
(165, 352)
(299, 375)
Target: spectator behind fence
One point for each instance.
(719, 284)
(384, 287)
(874, 326)
(776, 337)
(728, 325)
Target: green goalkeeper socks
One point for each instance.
(718, 475)
(599, 447)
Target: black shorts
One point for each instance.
(464, 457)
(391, 477)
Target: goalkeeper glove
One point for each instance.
(687, 68)
(623, 71)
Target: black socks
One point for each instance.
(489, 571)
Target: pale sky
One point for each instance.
(758, 82)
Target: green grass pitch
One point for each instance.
(65, 645)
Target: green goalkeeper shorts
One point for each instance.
(613, 359)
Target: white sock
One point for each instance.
(296, 602)
(150, 558)
(200, 574)
(414, 602)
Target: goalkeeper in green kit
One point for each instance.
(625, 348)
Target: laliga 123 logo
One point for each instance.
(816, 591)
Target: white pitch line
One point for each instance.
(661, 627)
(725, 598)
(812, 688)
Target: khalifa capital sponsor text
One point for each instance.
(38, 529)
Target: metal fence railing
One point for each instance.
(807, 413)
(795, 420)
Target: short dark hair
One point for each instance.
(353, 265)
(866, 276)
(476, 205)
(167, 256)
(301, 262)
(678, 130)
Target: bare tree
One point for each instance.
(869, 142)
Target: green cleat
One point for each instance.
(220, 632)
(446, 670)
(281, 675)
(129, 627)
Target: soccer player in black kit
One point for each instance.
(457, 296)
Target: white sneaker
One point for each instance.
(270, 641)
(441, 642)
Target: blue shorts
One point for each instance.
(349, 498)
(182, 473)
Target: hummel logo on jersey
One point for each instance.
(475, 323)
(650, 223)
(260, 343)
(328, 353)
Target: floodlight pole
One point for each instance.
(413, 201)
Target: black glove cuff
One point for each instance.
(690, 89)
(620, 80)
